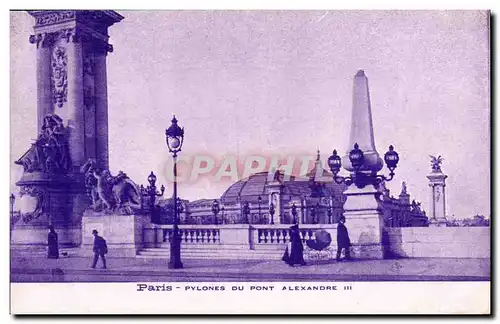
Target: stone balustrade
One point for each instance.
(190, 234)
(241, 236)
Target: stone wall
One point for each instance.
(437, 242)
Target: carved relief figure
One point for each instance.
(60, 75)
(40, 204)
(436, 163)
(50, 152)
(90, 181)
(403, 188)
(278, 176)
(88, 64)
(111, 193)
(88, 97)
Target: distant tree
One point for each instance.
(477, 220)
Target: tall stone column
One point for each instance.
(101, 109)
(71, 79)
(362, 209)
(43, 76)
(437, 204)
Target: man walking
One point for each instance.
(100, 249)
(343, 241)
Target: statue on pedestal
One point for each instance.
(436, 163)
(50, 152)
(117, 194)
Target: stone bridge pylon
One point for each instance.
(72, 117)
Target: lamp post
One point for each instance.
(314, 210)
(272, 210)
(152, 193)
(303, 210)
(175, 138)
(259, 199)
(180, 209)
(246, 211)
(330, 211)
(360, 177)
(215, 210)
(294, 213)
(12, 199)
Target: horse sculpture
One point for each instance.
(111, 193)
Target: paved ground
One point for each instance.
(77, 269)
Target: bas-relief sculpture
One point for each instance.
(59, 75)
(111, 194)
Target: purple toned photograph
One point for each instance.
(249, 146)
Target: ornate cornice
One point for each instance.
(51, 17)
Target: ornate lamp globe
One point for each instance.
(334, 162)
(356, 157)
(174, 136)
(152, 179)
(215, 207)
(391, 158)
(246, 208)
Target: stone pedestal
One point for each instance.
(46, 199)
(123, 233)
(437, 207)
(364, 222)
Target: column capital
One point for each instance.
(78, 26)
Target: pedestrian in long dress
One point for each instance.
(343, 241)
(53, 245)
(296, 253)
(100, 249)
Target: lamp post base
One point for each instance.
(175, 253)
(177, 264)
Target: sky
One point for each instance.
(280, 82)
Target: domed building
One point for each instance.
(267, 198)
(275, 198)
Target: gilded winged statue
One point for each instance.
(436, 163)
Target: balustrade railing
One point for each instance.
(251, 236)
(282, 235)
(188, 235)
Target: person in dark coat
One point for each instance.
(100, 249)
(297, 248)
(53, 245)
(343, 241)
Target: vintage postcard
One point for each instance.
(250, 162)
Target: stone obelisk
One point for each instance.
(72, 117)
(364, 218)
